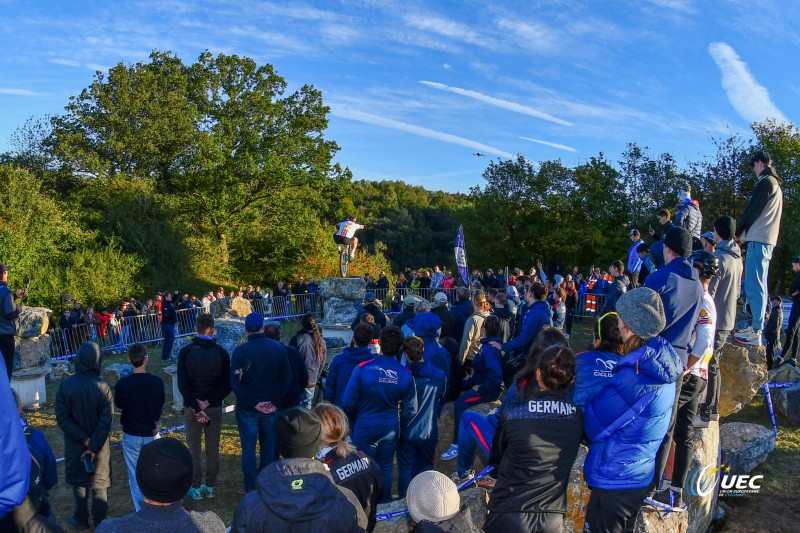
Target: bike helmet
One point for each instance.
(351, 219)
(706, 262)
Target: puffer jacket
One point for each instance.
(592, 372)
(84, 410)
(627, 420)
(690, 218)
(614, 290)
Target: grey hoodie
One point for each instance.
(725, 286)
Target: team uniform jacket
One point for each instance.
(593, 371)
(537, 317)
(488, 370)
(359, 473)
(341, 369)
(702, 345)
(430, 384)
(375, 388)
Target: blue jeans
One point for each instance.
(307, 400)
(131, 446)
(168, 332)
(475, 431)
(379, 441)
(413, 458)
(253, 426)
(756, 268)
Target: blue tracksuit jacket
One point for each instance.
(375, 389)
(430, 384)
(340, 370)
(488, 370)
(537, 317)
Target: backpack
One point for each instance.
(36, 490)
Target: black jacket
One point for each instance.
(168, 313)
(361, 474)
(449, 324)
(615, 289)
(536, 444)
(794, 289)
(772, 329)
(84, 409)
(298, 496)
(204, 373)
(460, 523)
(260, 372)
(405, 315)
(507, 322)
(374, 310)
(299, 379)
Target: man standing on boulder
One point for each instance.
(8, 316)
(758, 227)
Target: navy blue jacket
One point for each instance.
(426, 327)
(537, 317)
(627, 420)
(375, 389)
(340, 370)
(461, 312)
(679, 286)
(168, 314)
(430, 385)
(593, 371)
(260, 372)
(488, 370)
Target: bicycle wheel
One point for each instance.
(344, 258)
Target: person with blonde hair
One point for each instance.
(349, 467)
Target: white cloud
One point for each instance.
(65, 62)
(551, 144)
(536, 37)
(360, 116)
(684, 6)
(446, 28)
(446, 66)
(749, 98)
(497, 102)
(17, 92)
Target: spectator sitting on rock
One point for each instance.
(435, 506)
(164, 474)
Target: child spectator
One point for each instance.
(435, 506)
(535, 447)
(349, 468)
(419, 438)
(559, 308)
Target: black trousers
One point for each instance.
(524, 522)
(711, 404)
(792, 343)
(613, 511)
(7, 349)
(693, 387)
(663, 451)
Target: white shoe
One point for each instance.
(751, 339)
(745, 332)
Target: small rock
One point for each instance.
(345, 288)
(219, 307)
(745, 446)
(334, 342)
(116, 371)
(33, 321)
(786, 403)
(743, 370)
(60, 371)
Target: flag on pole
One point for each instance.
(461, 256)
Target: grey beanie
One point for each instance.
(643, 312)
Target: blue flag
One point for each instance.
(461, 256)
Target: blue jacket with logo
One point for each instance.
(340, 370)
(488, 370)
(375, 389)
(679, 286)
(593, 371)
(628, 418)
(537, 317)
(426, 327)
(430, 385)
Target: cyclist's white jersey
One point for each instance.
(348, 229)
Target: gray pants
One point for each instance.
(195, 431)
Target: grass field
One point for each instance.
(774, 509)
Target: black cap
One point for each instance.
(298, 432)
(759, 156)
(679, 241)
(164, 470)
(725, 227)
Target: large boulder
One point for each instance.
(785, 374)
(701, 509)
(475, 499)
(219, 307)
(338, 311)
(33, 321)
(743, 370)
(116, 371)
(32, 352)
(230, 333)
(345, 288)
(241, 307)
(745, 446)
(786, 403)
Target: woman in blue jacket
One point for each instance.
(484, 383)
(595, 368)
(629, 417)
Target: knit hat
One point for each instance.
(254, 322)
(708, 237)
(679, 241)
(643, 312)
(725, 227)
(433, 497)
(369, 296)
(440, 298)
(298, 432)
(684, 195)
(164, 470)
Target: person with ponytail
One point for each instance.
(596, 367)
(310, 344)
(534, 449)
(626, 421)
(349, 468)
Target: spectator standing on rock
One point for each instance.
(758, 227)
(689, 216)
(634, 261)
(657, 249)
(313, 352)
(260, 376)
(724, 289)
(617, 287)
(164, 474)
(140, 396)
(84, 409)
(169, 319)
(204, 382)
(8, 316)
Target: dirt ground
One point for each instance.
(774, 509)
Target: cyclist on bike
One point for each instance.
(345, 234)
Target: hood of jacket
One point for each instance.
(204, 343)
(357, 354)
(427, 326)
(88, 359)
(657, 360)
(731, 248)
(297, 489)
(487, 340)
(373, 309)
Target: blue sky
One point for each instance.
(415, 88)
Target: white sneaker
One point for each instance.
(458, 480)
(746, 332)
(750, 339)
(451, 453)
